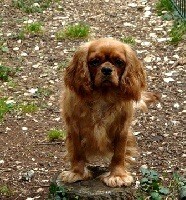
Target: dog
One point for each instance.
(104, 83)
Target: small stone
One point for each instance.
(161, 148)
(148, 58)
(147, 8)
(24, 54)
(136, 133)
(24, 128)
(176, 105)
(10, 101)
(28, 21)
(183, 155)
(2, 161)
(145, 43)
(149, 67)
(16, 48)
(162, 39)
(153, 35)
(36, 5)
(132, 5)
(167, 80)
(147, 13)
(128, 24)
(27, 175)
(39, 190)
(36, 48)
(33, 90)
(159, 105)
(166, 59)
(35, 66)
(144, 166)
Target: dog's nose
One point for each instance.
(106, 71)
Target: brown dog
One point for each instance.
(103, 82)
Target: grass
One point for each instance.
(55, 134)
(28, 108)
(5, 190)
(73, 32)
(4, 48)
(43, 92)
(164, 5)
(33, 28)
(5, 107)
(128, 40)
(178, 31)
(179, 26)
(6, 72)
(31, 6)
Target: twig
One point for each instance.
(49, 143)
(5, 170)
(181, 61)
(36, 186)
(176, 64)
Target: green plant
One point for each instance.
(5, 107)
(128, 40)
(73, 31)
(57, 192)
(5, 190)
(178, 31)
(151, 186)
(4, 48)
(31, 6)
(33, 28)
(5, 72)
(43, 92)
(54, 134)
(27, 108)
(164, 5)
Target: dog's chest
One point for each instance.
(102, 116)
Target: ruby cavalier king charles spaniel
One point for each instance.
(104, 83)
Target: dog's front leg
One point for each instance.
(76, 156)
(118, 175)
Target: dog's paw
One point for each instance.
(71, 177)
(117, 181)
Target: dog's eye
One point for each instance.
(94, 62)
(119, 63)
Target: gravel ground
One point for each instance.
(23, 137)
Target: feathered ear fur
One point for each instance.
(133, 81)
(77, 76)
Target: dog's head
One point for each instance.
(104, 65)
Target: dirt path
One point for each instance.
(39, 59)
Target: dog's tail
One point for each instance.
(147, 98)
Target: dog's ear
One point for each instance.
(133, 81)
(77, 76)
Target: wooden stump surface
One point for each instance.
(94, 189)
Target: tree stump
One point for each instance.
(93, 189)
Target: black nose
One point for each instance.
(106, 71)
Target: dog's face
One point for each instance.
(106, 64)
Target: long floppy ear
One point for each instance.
(133, 81)
(77, 76)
